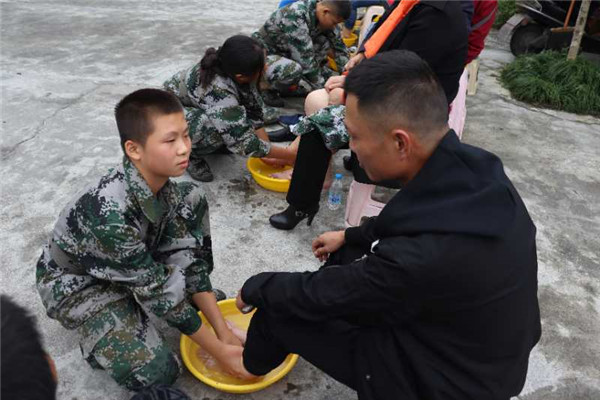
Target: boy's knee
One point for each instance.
(336, 97)
(316, 100)
(163, 368)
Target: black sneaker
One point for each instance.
(200, 170)
(219, 294)
(272, 98)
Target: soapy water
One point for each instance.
(287, 174)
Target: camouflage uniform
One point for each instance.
(224, 113)
(297, 48)
(118, 252)
(329, 121)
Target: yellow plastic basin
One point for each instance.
(222, 381)
(261, 173)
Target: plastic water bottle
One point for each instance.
(335, 193)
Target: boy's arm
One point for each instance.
(230, 119)
(341, 54)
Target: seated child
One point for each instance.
(136, 243)
(222, 104)
(299, 38)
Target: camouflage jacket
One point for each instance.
(116, 240)
(223, 113)
(293, 32)
(329, 121)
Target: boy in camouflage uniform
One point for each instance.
(299, 38)
(136, 243)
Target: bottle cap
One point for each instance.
(338, 176)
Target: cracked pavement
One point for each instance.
(65, 65)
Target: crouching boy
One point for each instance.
(136, 243)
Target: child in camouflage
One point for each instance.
(137, 243)
(223, 106)
(299, 38)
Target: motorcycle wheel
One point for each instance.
(523, 37)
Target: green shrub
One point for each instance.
(506, 9)
(548, 79)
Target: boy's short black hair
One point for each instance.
(398, 87)
(134, 113)
(341, 8)
(26, 373)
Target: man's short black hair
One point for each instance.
(135, 112)
(398, 87)
(341, 8)
(26, 373)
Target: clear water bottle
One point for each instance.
(335, 193)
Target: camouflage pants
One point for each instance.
(283, 72)
(133, 352)
(329, 122)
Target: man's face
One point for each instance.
(327, 19)
(167, 149)
(377, 152)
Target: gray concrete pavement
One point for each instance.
(65, 64)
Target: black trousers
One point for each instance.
(310, 171)
(329, 346)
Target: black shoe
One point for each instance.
(289, 218)
(347, 161)
(200, 170)
(281, 134)
(272, 98)
(219, 294)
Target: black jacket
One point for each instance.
(437, 31)
(447, 299)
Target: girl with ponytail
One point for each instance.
(223, 106)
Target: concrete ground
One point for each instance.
(64, 66)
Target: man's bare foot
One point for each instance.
(239, 333)
(232, 361)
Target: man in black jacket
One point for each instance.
(435, 298)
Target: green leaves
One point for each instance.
(549, 80)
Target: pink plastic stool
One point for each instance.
(360, 204)
(458, 108)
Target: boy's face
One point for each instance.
(167, 149)
(327, 19)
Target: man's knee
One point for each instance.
(316, 100)
(164, 368)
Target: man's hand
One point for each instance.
(243, 307)
(335, 82)
(354, 61)
(328, 243)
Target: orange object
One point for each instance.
(378, 38)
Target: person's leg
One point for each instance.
(130, 349)
(327, 345)
(282, 72)
(205, 140)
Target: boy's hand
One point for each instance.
(228, 337)
(328, 243)
(230, 358)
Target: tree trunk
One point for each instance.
(579, 29)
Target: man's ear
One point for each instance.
(402, 142)
(133, 150)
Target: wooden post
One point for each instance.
(579, 29)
